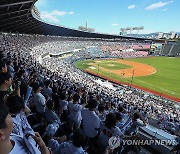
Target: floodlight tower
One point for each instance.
(129, 28)
(123, 31)
(86, 24)
(140, 28)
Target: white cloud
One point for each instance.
(131, 6)
(53, 15)
(158, 5)
(71, 12)
(115, 25)
(60, 13)
(165, 9)
(49, 17)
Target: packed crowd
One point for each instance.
(64, 106)
(126, 50)
(124, 46)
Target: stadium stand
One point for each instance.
(167, 49)
(171, 49)
(175, 51)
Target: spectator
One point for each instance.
(90, 120)
(137, 121)
(109, 129)
(3, 67)
(39, 100)
(5, 83)
(101, 112)
(24, 85)
(10, 68)
(55, 98)
(63, 103)
(50, 114)
(75, 112)
(47, 90)
(14, 144)
(74, 147)
(16, 109)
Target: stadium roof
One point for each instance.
(20, 16)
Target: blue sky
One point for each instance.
(108, 16)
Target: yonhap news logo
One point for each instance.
(115, 141)
(150, 142)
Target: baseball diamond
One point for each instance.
(160, 75)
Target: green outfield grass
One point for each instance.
(166, 80)
(113, 65)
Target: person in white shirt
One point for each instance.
(109, 129)
(39, 100)
(47, 90)
(74, 147)
(16, 107)
(90, 120)
(13, 144)
(75, 112)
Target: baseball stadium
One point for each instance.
(77, 91)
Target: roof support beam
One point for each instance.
(17, 3)
(11, 18)
(8, 8)
(9, 13)
(21, 7)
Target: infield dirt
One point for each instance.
(138, 69)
